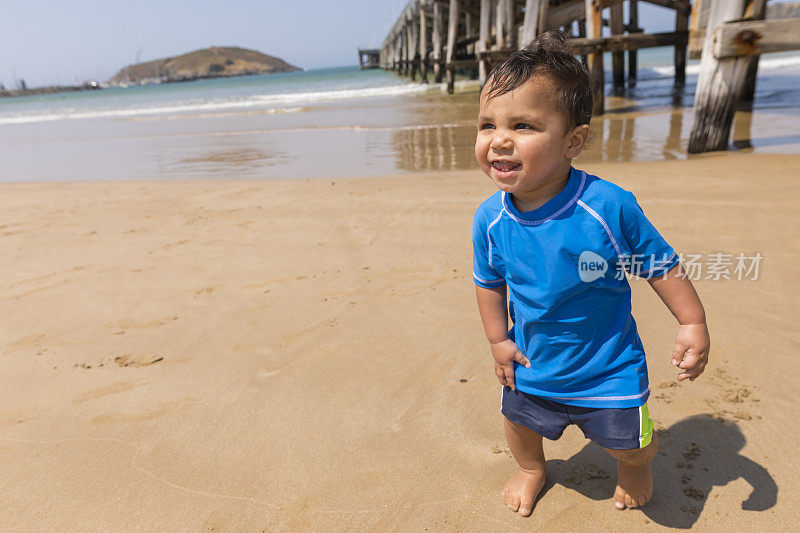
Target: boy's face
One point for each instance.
(521, 143)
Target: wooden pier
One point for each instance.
(437, 38)
(368, 58)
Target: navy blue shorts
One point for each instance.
(617, 429)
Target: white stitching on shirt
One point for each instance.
(487, 280)
(537, 222)
(488, 239)
(605, 226)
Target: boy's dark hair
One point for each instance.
(548, 55)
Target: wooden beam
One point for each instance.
(564, 14)
(697, 27)
(633, 22)
(718, 86)
(594, 26)
(620, 43)
(499, 29)
(483, 40)
(736, 39)
(530, 25)
(617, 26)
(510, 11)
(681, 25)
(669, 4)
(755, 10)
(413, 47)
(423, 45)
(437, 42)
(452, 29)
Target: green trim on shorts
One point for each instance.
(646, 426)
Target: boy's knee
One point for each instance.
(639, 456)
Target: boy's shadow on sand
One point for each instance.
(694, 455)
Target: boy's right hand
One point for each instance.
(505, 353)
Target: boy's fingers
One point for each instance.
(521, 359)
(690, 360)
(693, 373)
(677, 354)
(510, 379)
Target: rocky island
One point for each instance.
(214, 62)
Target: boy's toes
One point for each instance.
(526, 508)
(623, 500)
(512, 503)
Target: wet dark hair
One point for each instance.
(548, 56)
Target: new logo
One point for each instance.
(591, 266)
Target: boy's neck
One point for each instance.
(532, 200)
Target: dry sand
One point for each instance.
(307, 355)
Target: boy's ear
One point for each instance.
(577, 141)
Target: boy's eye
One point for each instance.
(485, 126)
(523, 126)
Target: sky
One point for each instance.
(66, 42)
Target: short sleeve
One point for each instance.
(483, 273)
(648, 255)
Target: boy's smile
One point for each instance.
(523, 144)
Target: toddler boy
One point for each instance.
(559, 241)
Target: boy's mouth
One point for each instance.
(505, 166)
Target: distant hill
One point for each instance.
(214, 62)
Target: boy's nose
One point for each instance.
(501, 141)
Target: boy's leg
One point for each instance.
(634, 475)
(526, 446)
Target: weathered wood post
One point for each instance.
(404, 53)
(682, 10)
(718, 85)
(423, 44)
(510, 11)
(594, 25)
(410, 49)
(469, 25)
(582, 33)
(483, 40)
(414, 46)
(499, 25)
(399, 53)
(633, 25)
(437, 42)
(755, 10)
(452, 29)
(617, 26)
(530, 24)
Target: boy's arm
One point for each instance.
(494, 315)
(692, 342)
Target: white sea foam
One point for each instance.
(262, 102)
(765, 63)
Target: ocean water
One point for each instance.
(342, 122)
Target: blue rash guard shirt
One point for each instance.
(569, 299)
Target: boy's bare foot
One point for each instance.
(521, 490)
(634, 485)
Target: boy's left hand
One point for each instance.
(691, 350)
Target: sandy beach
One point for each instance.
(288, 355)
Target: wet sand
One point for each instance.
(307, 355)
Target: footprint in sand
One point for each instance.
(125, 324)
(137, 359)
